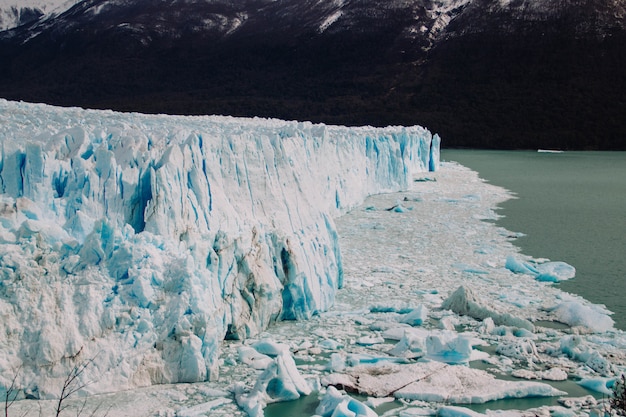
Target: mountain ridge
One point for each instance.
(483, 73)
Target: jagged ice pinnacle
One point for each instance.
(141, 242)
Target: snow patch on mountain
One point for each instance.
(442, 11)
(330, 20)
(14, 13)
(138, 243)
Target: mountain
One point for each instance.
(483, 73)
(14, 13)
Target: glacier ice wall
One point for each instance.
(140, 242)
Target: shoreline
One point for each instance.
(399, 251)
(567, 206)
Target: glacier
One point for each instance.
(140, 242)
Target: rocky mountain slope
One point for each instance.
(483, 73)
(14, 13)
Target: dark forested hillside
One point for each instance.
(494, 77)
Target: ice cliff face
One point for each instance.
(141, 242)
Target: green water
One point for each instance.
(572, 208)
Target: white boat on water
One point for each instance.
(549, 151)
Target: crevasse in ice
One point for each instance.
(140, 242)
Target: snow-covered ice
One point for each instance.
(420, 285)
(141, 242)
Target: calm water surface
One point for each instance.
(572, 208)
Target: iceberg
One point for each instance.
(416, 316)
(281, 381)
(578, 349)
(573, 313)
(456, 384)
(435, 382)
(545, 272)
(465, 302)
(601, 385)
(336, 404)
(138, 243)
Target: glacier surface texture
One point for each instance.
(139, 243)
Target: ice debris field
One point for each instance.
(230, 267)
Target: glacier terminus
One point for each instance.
(139, 243)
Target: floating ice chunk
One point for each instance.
(522, 349)
(381, 380)
(463, 301)
(487, 326)
(335, 404)
(350, 407)
(253, 358)
(356, 359)
(574, 313)
(449, 347)
(520, 267)
(553, 374)
(329, 402)
(337, 363)
(416, 317)
(434, 381)
(440, 345)
(555, 272)
(252, 402)
(547, 271)
(576, 348)
(373, 402)
(601, 385)
(269, 347)
(411, 345)
(524, 374)
(463, 385)
(393, 331)
(580, 402)
(281, 381)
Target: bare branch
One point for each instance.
(72, 384)
(93, 413)
(11, 391)
(82, 408)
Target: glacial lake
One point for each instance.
(571, 206)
